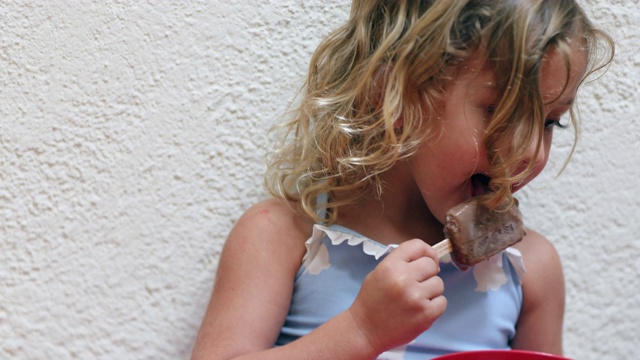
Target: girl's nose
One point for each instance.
(534, 160)
(537, 158)
(532, 163)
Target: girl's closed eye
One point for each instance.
(549, 124)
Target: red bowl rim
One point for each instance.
(521, 352)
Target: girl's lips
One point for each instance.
(479, 184)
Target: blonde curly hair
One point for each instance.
(390, 62)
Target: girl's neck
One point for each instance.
(399, 214)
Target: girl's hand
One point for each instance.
(401, 297)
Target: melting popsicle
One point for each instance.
(475, 232)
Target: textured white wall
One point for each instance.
(132, 137)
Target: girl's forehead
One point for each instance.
(554, 66)
(477, 69)
(561, 73)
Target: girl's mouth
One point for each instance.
(479, 184)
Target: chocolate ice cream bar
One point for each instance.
(475, 232)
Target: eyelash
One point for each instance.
(549, 124)
(490, 110)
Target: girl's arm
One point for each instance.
(539, 327)
(254, 283)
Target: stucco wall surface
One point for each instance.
(132, 136)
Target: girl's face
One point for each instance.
(454, 166)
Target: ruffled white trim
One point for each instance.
(337, 237)
(317, 257)
(515, 257)
(489, 274)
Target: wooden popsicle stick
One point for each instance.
(443, 247)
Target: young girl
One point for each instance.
(410, 108)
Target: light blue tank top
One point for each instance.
(483, 303)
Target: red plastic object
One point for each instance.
(500, 355)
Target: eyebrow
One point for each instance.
(566, 102)
(489, 84)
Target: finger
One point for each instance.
(432, 288)
(414, 249)
(438, 306)
(424, 268)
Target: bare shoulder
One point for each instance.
(274, 227)
(539, 254)
(272, 222)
